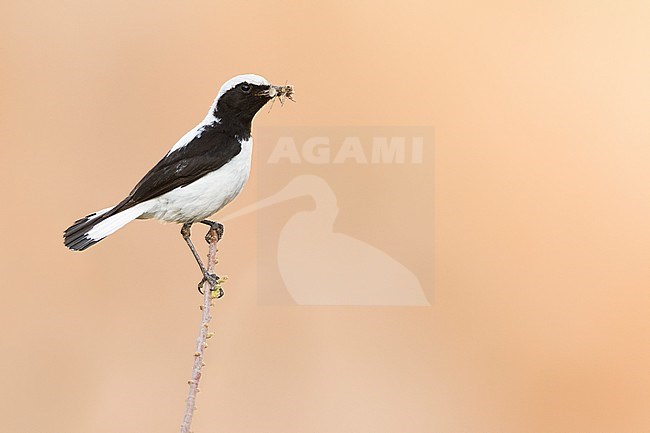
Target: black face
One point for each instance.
(242, 102)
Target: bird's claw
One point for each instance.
(212, 280)
(216, 226)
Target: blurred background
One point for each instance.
(539, 320)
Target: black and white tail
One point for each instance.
(91, 229)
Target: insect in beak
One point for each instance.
(281, 93)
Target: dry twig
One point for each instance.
(209, 293)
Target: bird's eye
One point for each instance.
(246, 88)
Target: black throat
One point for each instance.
(233, 125)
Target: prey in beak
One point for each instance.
(280, 93)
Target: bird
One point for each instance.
(203, 172)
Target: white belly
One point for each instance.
(202, 198)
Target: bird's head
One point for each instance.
(242, 96)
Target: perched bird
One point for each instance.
(203, 171)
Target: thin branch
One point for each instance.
(209, 293)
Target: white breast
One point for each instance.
(202, 198)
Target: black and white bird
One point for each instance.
(205, 170)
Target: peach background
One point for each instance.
(540, 320)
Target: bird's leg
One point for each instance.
(211, 278)
(186, 233)
(217, 227)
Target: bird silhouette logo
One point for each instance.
(309, 251)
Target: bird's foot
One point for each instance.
(216, 226)
(213, 281)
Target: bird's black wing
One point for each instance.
(208, 151)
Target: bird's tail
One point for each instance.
(91, 229)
